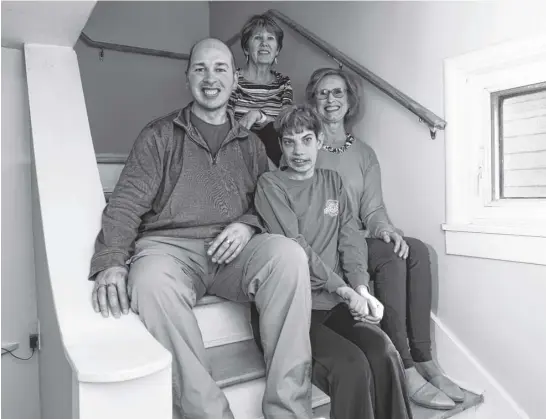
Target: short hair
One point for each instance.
(260, 21)
(193, 48)
(296, 119)
(353, 93)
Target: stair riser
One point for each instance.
(245, 400)
(223, 323)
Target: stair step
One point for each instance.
(222, 322)
(239, 369)
(245, 400)
(210, 299)
(236, 363)
(471, 400)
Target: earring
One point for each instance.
(247, 58)
(275, 60)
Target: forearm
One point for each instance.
(322, 276)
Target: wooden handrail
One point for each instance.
(131, 49)
(433, 121)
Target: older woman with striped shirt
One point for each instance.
(262, 92)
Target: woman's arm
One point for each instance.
(373, 212)
(278, 216)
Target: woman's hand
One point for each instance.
(400, 245)
(250, 119)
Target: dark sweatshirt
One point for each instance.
(173, 186)
(316, 212)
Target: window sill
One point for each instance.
(511, 243)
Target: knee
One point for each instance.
(417, 249)
(382, 257)
(289, 260)
(286, 250)
(378, 345)
(150, 285)
(352, 365)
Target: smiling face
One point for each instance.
(211, 76)
(300, 152)
(262, 47)
(330, 107)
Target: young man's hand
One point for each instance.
(229, 243)
(375, 306)
(362, 305)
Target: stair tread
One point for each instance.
(236, 363)
(471, 400)
(240, 362)
(210, 299)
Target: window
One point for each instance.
(519, 140)
(495, 106)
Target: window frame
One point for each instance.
(477, 224)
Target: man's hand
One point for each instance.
(111, 290)
(363, 306)
(229, 243)
(400, 245)
(250, 119)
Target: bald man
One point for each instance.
(181, 223)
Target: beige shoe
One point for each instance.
(439, 380)
(432, 398)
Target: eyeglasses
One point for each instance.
(324, 93)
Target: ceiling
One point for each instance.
(43, 22)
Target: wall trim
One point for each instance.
(455, 358)
(495, 243)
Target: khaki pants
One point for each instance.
(166, 278)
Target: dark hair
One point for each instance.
(188, 64)
(352, 90)
(296, 119)
(260, 21)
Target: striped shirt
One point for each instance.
(268, 98)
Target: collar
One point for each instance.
(184, 121)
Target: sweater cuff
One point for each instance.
(253, 221)
(104, 261)
(359, 279)
(334, 282)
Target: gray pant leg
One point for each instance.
(275, 274)
(164, 295)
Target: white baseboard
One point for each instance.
(459, 363)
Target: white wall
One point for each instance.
(495, 308)
(20, 391)
(126, 91)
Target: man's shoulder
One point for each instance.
(159, 130)
(163, 121)
(250, 138)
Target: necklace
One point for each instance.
(349, 140)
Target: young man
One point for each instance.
(354, 361)
(180, 223)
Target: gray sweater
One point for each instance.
(172, 186)
(317, 213)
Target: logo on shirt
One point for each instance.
(331, 208)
